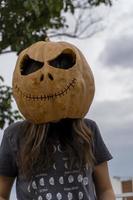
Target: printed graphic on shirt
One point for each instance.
(59, 185)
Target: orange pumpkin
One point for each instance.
(52, 81)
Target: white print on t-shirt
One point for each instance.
(40, 198)
(61, 180)
(59, 196)
(51, 181)
(70, 196)
(70, 179)
(41, 181)
(80, 178)
(80, 195)
(85, 180)
(69, 183)
(48, 196)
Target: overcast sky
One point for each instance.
(110, 55)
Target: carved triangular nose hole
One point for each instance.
(42, 77)
(50, 77)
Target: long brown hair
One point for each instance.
(36, 145)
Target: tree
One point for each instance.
(23, 22)
(7, 114)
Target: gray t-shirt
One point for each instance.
(58, 182)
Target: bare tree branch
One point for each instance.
(90, 25)
(4, 52)
(84, 25)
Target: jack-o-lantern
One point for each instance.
(52, 81)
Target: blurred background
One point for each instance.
(103, 31)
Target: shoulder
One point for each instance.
(14, 128)
(91, 124)
(100, 150)
(13, 132)
(94, 128)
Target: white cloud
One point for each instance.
(7, 65)
(118, 52)
(117, 40)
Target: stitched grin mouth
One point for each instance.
(47, 97)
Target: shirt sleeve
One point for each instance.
(100, 150)
(8, 165)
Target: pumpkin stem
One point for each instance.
(47, 39)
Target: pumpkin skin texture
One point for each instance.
(52, 81)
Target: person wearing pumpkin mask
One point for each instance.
(55, 153)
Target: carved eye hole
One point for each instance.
(65, 60)
(29, 65)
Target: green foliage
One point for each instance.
(23, 22)
(7, 114)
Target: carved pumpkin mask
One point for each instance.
(52, 81)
